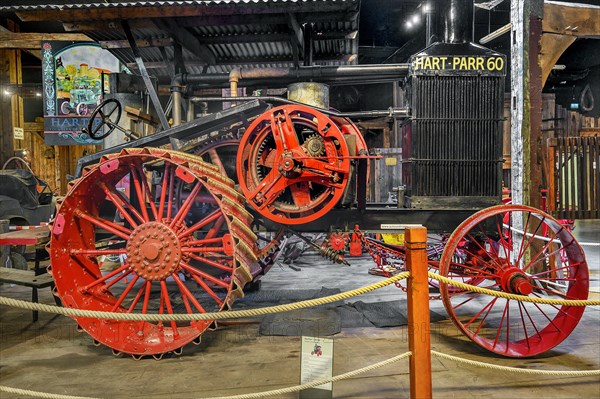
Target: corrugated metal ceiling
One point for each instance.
(254, 33)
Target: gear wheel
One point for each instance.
(314, 146)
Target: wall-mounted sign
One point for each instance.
(18, 133)
(75, 76)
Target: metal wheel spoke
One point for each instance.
(272, 185)
(137, 298)
(212, 263)
(163, 190)
(523, 323)
(499, 330)
(125, 293)
(116, 280)
(214, 230)
(114, 228)
(205, 276)
(106, 277)
(185, 208)
(537, 259)
(476, 242)
(165, 293)
(143, 178)
(120, 205)
(141, 197)
(147, 293)
(171, 193)
(492, 304)
(217, 213)
(531, 320)
(208, 290)
(186, 293)
(554, 270)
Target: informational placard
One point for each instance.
(18, 133)
(316, 364)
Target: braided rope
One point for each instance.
(561, 373)
(234, 314)
(506, 295)
(316, 383)
(37, 394)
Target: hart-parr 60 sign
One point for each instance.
(459, 63)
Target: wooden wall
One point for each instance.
(53, 164)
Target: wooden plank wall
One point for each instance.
(51, 163)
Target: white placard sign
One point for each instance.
(317, 361)
(18, 133)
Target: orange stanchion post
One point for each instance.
(418, 313)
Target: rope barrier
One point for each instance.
(316, 383)
(506, 295)
(37, 394)
(562, 373)
(350, 374)
(233, 314)
(274, 392)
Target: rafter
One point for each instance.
(186, 40)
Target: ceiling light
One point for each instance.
(409, 25)
(415, 19)
(427, 7)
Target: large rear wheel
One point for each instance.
(185, 252)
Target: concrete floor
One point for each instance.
(51, 356)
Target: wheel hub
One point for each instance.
(154, 251)
(516, 281)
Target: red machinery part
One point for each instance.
(494, 253)
(185, 253)
(337, 241)
(293, 165)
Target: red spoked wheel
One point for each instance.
(186, 254)
(294, 165)
(503, 249)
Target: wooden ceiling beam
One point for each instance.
(580, 20)
(32, 41)
(107, 25)
(141, 43)
(212, 20)
(117, 13)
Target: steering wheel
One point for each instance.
(107, 109)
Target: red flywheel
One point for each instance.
(293, 165)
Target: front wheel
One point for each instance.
(517, 250)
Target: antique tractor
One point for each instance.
(196, 226)
(191, 245)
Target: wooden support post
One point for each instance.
(418, 313)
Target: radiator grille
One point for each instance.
(453, 144)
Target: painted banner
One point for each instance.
(75, 77)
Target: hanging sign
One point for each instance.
(18, 133)
(75, 75)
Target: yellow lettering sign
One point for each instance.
(459, 63)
